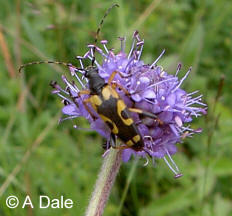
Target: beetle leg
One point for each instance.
(85, 102)
(114, 85)
(114, 74)
(83, 92)
(112, 143)
(146, 114)
(112, 140)
(106, 145)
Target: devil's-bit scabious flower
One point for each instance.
(151, 89)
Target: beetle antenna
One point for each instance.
(99, 29)
(47, 62)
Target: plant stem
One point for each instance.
(106, 177)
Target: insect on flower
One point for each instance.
(108, 104)
(124, 98)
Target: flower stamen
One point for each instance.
(159, 57)
(181, 81)
(104, 42)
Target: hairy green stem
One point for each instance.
(128, 182)
(106, 177)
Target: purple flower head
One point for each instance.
(150, 88)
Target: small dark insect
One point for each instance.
(106, 101)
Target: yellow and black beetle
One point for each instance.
(111, 108)
(106, 101)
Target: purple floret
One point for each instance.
(151, 89)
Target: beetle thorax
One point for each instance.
(96, 83)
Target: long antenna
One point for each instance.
(99, 28)
(46, 62)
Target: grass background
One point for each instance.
(40, 157)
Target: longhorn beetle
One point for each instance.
(105, 100)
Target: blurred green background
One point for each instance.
(38, 156)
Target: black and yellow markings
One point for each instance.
(134, 140)
(111, 108)
(107, 92)
(116, 115)
(110, 123)
(95, 101)
(121, 107)
(114, 112)
(129, 143)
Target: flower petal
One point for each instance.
(71, 109)
(149, 94)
